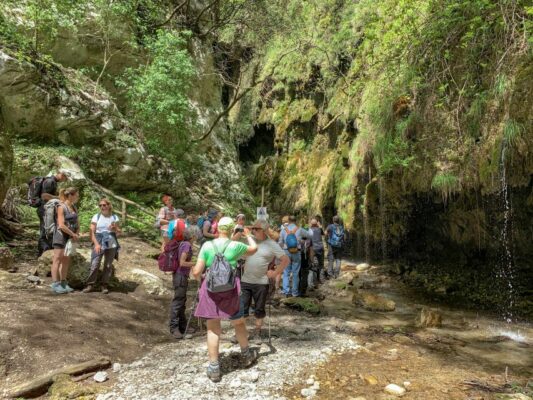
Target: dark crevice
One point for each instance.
(261, 144)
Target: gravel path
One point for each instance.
(177, 370)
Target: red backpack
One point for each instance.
(168, 260)
(178, 230)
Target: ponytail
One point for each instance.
(65, 193)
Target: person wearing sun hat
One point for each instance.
(224, 305)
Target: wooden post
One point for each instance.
(123, 213)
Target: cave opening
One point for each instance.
(261, 144)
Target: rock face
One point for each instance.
(40, 108)
(6, 161)
(373, 302)
(429, 318)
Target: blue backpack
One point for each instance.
(336, 238)
(291, 240)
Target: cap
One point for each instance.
(260, 223)
(226, 221)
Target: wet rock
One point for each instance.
(100, 376)
(6, 259)
(373, 302)
(306, 304)
(429, 318)
(362, 267)
(395, 390)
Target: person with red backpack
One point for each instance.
(180, 281)
(290, 240)
(165, 215)
(40, 191)
(177, 226)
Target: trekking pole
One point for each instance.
(192, 310)
(269, 318)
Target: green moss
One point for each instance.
(305, 304)
(446, 183)
(512, 131)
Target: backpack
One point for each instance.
(200, 223)
(114, 217)
(291, 241)
(336, 238)
(168, 260)
(50, 217)
(220, 276)
(35, 189)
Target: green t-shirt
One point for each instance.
(233, 252)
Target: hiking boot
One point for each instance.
(105, 290)
(214, 373)
(177, 334)
(88, 289)
(233, 339)
(248, 357)
(57, 288)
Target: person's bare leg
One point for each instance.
(63, 268)
(56, 262)
(214, 331)
(241, 332)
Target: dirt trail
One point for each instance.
(41, 331)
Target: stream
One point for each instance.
(349, 352)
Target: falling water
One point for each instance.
(505, 266)
(382, 217)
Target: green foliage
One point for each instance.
(446, 183)
(157, 94)
(512, 131)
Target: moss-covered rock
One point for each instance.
(305, 304)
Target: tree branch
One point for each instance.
(174, 12)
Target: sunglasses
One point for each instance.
(257, 229)
(103, 205)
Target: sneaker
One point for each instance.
(248, 358)
(105, 290)
(214, 374)
(88, 289)
(65, 286)
(233, 339)
(57, 288)
(177, 334)
(256, 337)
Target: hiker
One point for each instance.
(205, 223)
(40, 191)
(66, 228)
(166, 214)
(335, 235)
(239, 228)
(177, 226)
(255, 279)
(104, 229)
(214, 307)
(317, 269)
(180, 281)
(289, 240)
(305, 265)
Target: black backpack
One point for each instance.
(220, 276)
(35, 189)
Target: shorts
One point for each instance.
(58, 246)
(257, 292)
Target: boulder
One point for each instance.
(362, 267)
(151, 283)
(429, 319)
(9, 280)
(373, 302)
(6, 162)
(6, 259)
(348, 277)
(306, 304)
(80, 265)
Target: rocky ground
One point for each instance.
(351, 339)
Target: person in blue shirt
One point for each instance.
(290, 241)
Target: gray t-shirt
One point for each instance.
(256, 265)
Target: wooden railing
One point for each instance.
(124, 203)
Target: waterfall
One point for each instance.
(505, 265)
